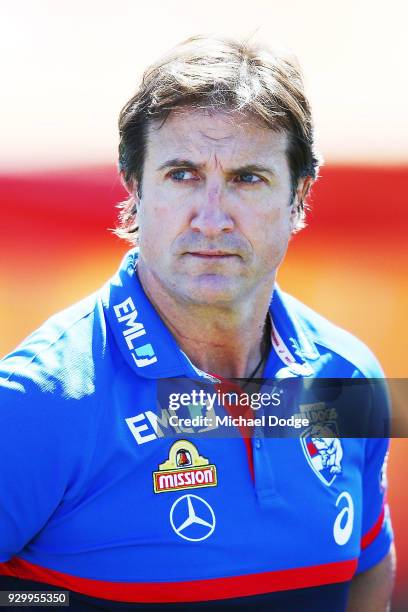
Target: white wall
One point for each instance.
(67, 66)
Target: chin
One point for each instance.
(210, 291)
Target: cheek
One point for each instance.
(273, 226)
(148, 226)
(158, 226)
(271, 236)
(150, 211)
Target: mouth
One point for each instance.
(211, 255)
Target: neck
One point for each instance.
(226, 340)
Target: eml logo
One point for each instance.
(144, 427)
(126, 314)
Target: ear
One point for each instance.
(303, 188)
(131, 187)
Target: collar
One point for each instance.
(142, 337)
(152, 352)
(293, 348)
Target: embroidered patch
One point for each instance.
(323, 453)
(184, 469)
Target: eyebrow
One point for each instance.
(177, 162)
(186, 163)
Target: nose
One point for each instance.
(211, 216)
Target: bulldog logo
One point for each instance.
(323, 452)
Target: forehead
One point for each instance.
(230, 135)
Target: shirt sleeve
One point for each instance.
(39, 450)
(377, 534)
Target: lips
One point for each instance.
(211, 254)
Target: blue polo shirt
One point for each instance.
(95, 498)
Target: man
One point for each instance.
(217, 154)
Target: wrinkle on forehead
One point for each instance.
(199, 134)
(216, 138)
(218, 120)
(213, 160)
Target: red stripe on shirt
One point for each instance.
(192, 590)
(370, 536)
(227, 386)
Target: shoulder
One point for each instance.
(50, 416)
(59, 357)
(327, 336)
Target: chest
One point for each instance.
(153, 507)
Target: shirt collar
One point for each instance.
(292, 348)
(143, 339)
(150, 349)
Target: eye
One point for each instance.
(248, 178)
(182, 174)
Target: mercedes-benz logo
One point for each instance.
(192, 518)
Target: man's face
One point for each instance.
(214, 217)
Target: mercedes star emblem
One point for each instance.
(192, 518)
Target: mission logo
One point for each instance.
(184, 469)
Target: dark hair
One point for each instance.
(217, 73)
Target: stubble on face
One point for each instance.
(212, 239)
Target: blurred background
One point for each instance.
(68, 67)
